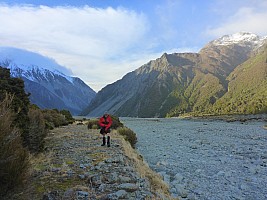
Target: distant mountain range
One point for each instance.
(227, 76)
(44, 80)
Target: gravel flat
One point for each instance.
(206, 159)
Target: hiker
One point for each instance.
(105, 123)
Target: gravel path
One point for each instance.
(206, 159)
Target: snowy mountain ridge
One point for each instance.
(32, 72)
(246, 38)
(49, 87)
(26, 59)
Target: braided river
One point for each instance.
(205, 159)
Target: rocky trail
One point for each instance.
(75, 166)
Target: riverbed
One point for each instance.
(205, 159)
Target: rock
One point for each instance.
(220, 173)
(51, 195)
(121, 194)
(96, 180)
(191, 197)
(117, 159)
(178, 177)
(112, 177)
(124, 179)
(69, 194)
(82, 195)
(82, 166)
(194, 147)
(55, 169)
(70, 173)
(81, 176)
(181, 191)
(129, 187)
(166, 177)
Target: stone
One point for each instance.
(55, 169)
(82, 195)
(129, 187)
(181, 191)
(82, 166)
(112, 177)
(121, 194)
(124, 179)
(191, 197)
(53, 195)
(96, 180)
(221, 173)
(81, 176)
(178, 177)
(69, 194)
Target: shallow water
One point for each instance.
(204, 159)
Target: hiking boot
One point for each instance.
(104, 141)
(108, 141)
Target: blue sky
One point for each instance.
(102, 40)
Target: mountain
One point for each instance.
(247, 88)
(49, 88)
(180, 82)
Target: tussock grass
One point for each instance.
(128, 135)
(158, 186)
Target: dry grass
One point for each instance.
(158, 186)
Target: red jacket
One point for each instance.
(105, 121)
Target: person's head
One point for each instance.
(106, 113)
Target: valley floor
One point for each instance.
(205, 159)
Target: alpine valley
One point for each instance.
(227, 76)
(44, 79)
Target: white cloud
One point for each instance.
(89, 41)
(251, 19)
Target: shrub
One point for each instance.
(13, 157)
(93, 123)
(37, 131)
(53, 118)
(115, 122)
(20, 102)
(95, 126)
(128, 135)
(67, 115)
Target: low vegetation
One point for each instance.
(23, 128)
(13, 156)
(128, 135)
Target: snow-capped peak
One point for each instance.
(31, 65)
(240, 38)
(26, 59)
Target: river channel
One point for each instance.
(205, 159)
